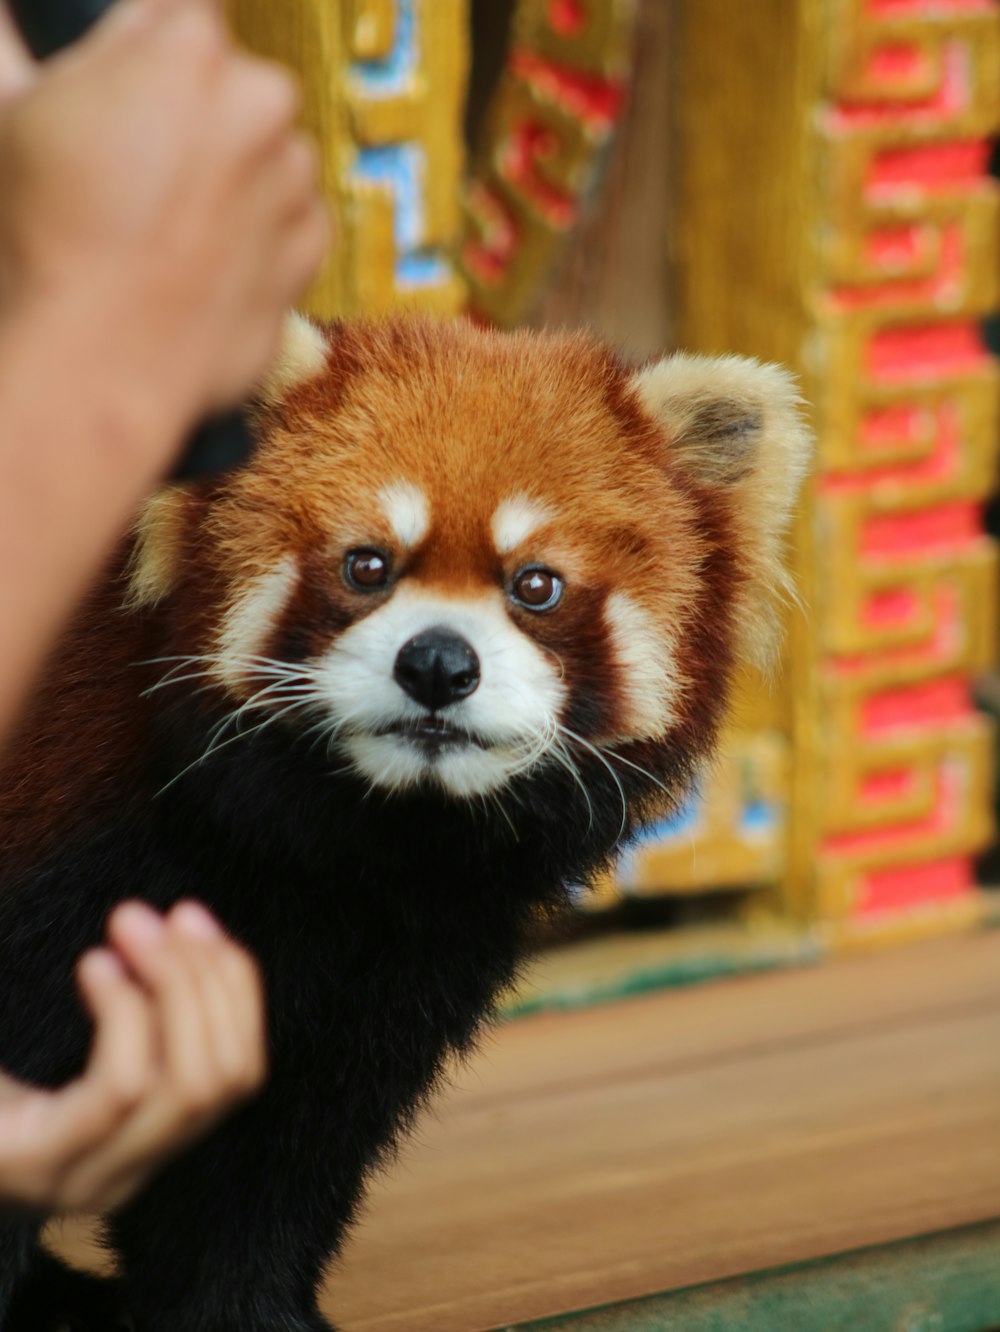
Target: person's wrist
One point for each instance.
(76, 355)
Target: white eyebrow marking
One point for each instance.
(515, 520)
(408, 512)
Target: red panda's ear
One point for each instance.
(157, 548)
(736, 425)
(302, 354)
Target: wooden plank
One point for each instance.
(939, 1283)
(689, 1137)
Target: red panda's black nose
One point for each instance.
(437, 668)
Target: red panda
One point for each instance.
(377, 699)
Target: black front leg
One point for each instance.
(44, 1036)
(18, 1245)
(53, 1297)
(235, 1235)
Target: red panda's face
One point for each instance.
(459, 556)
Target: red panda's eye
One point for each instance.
(537, 589)
(366, 569)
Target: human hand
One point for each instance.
(157, 198)
(178, 1040)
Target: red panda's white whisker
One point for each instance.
(260, 666)
(214, 658)
(255, 665)
(493, 799)
(216, 743)
(537, 747)
(233, 718)
(293, 697)
(172, 679)
(562, 754)
(643, 772)
(578, 739)
(214, 748)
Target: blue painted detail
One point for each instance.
(422, 268)
(682, 823)
(682, 820)
(401, 168)
(391, 76)
(758, 818)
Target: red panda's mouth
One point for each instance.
(433, 733)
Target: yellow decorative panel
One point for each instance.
(383, 88)
(730, 831)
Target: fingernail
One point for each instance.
(103, 963)
(139, 921)
(192, 919)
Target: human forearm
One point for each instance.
(78, 450)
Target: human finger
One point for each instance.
(303, 248)
(45, 1134)
(223, 1015)
(183, 1099)
(17, 67)
(153, 955)
(263, 98)
(121, 1066)
(232, 994)
(124, 1053)
(188, 34)
(298, 172)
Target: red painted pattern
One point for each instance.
(489, 257)
(938, 286)
(909, 129)
(567, 17)
(527, 147)
(938, 167)
(899, 249)
(897, 428)
(893, 609)
(899, 63)
(950, 98)
(930, 704)
(594, 101)
(919, 352)
(921, 532)
(904, 428)
(912, 886)
(884, 787)
(903, 9)
(938, 649)
(899, 838)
